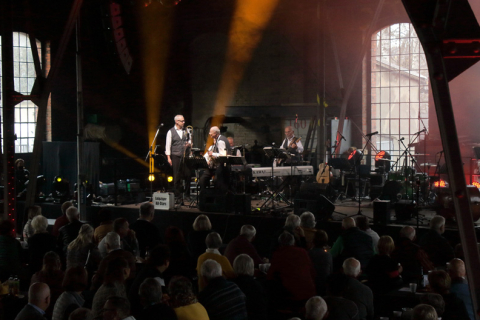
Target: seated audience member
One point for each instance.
(181, 261)
(291, 275)
(113, 284)
(221, 298)
(117, 308)
(147, 233)
(196, 238)
(128, 238)
(424, 312)
(183, 300)
(52, 275)
(113, 246)
(256, 298)
(28, 230)
(339, 308)
(62, 220)
(243, 244)
(356, 291)
(39, 243)
(81, 314)
(292, 226)
(459, 251)
(322, 261)
(459, 286)
(38, 302)
(439, 282)
(10, 251)
(412, 257)
(382, 271)
(150, 293)
(316, 308)
(435, 245)
(308, 223)
(352, 243)
(83, 248)
(436, 301)
(69, 232)
(363, 224)
(105, 217)
(213, 242)
(74, 283)
(157, 262)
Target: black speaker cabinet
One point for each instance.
(404, 210)
(381, 212)
(212, 200)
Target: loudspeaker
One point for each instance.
(239, 203)
(381, 212)
(404, 210)
(212, 200)
(311, 198)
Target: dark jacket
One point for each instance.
(30, 313)
(437, 247)
(353, 243)
(147, 235)
(67, 234)
(223, 300)
(256, 297)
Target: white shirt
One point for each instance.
(168, 144)
(222, 148)
(298, 143)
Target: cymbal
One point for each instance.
(428, 164)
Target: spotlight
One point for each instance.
(61, 188)
(355, 157)
(170, 179)
(381, 160)
(476, 184)
(441, 183)
(151, 177)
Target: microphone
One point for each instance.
(372, 134)
(421, 131)
(342, 137)
(401, 139)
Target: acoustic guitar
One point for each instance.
(323, 175)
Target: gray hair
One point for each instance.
(424, 312)
(113, 240)
(150, 291)
(437, 222)
(248, 231)
(177, 117)
(39, 224)
(213, 240)
(316, 308)
(351, 267)
(146, 209)
(215, 129)
(286, 239)
(211, 269)
(407, 232)
(307, 220)
(292, 221)
(243, 264)
(72, 213)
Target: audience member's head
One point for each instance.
(385, 245)
(150, 292)
(248, 231)
(407, 232)
(180, 291)
(112, 241)
(438, 224)
(39, 295)
(159, 257)
(213, 240)
(116, 308)
(202, 223)
(435, 300)
(121, 227)
(65, 206)
(292, 222)
(320, 239)
(51, 262)
(424, 312)
(81, 314)
(459, 251)
(351, 267)
(40, 224)
(211, 269)
(348, 223)
(72, 214)
(147, 211)
(456, 269)
(243, 265)
(7, 228)
(307, 220)
(118, 271)
(174, 235)
(76, 279)
(286, 239)
(34, 211)
(315, 308)
(85, 237)
(439, 281)
(362, 223)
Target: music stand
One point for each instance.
(275, 153)
(196, 162)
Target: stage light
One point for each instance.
(61, 188)
(151, 177)
(170, 179)
(476, 184)
(58, 179)
(355, 157)
(441, 183)
(383, 163)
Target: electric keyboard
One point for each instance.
(282, 171)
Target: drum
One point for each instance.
(396, 176)
(408, 171)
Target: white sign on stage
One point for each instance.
(163, 201)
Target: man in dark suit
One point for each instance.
(69, 232)
(147, 233)
(357, 291)
(38, 302)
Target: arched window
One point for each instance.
(24, 78)
(399, 88)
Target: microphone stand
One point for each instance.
(149, 159)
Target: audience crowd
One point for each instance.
(124, 273)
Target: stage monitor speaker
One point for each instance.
(212, 200)
(381, 212)
(239, 203)
(311, 198)
(404, 210)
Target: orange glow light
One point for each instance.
(380, 155)
(476, 184)
(440, 183)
